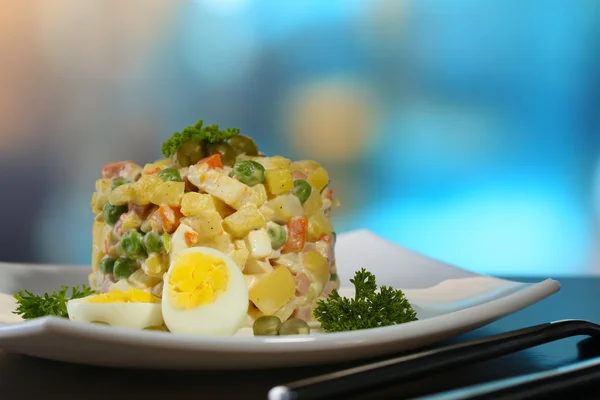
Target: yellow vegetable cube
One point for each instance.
(318, 266)
(279, 181)
(144, 188)
(97, 244)
(155, 265)
(152, 169)
(257, 267)
(240, 223)
(275, 162)
(267, 212)
(164, 162)
(259, 243)
(168, 193)
(208, 224)
(221, 242)
(273, 291)
(240, 256)
(260, 194)
(314, 203)
(131, 221)
(223, 208)
(194, 203)
(93, 203)
(318, 225)
(121, 195)
(319, 178)
(285, 208)
(141, 280)
(103, 187)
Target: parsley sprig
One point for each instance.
(31, 305)
(369, 308)
(210, 134)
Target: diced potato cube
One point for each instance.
(275, 162)
(208, 224)
(257, 267)
(314, 204)
(319, 178)
(223, 208)
(319, 225)
(103, 187)
(240, 256)
(273, 291)
(144, 188)
(93, 203)
(317, 265)
(155, 265)
(260, 194)
(222, 243)
(164, 162)
(121, 195)
(92, 281)
(279, 181)
(141, 280)
(285, 208)
(152, 169)
(213, 182)
(240, 223)
(130, 221)
(97, 244)
(240, 244)
(267, 212)
(122, 286)
(259, 243)
(168, 193)
(194, 203)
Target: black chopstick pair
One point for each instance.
(401, 369)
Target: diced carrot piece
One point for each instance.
(167, 218)
(152, 171)
(191, 238)
(296, 239)
(213, 161)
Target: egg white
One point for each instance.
(178, 242)
(223, 317)
(125, 315)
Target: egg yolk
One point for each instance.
(132, 295)
(197, 279)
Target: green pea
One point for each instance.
(266, 326)
(294, 326)
(124, 267)
(131, 244)
(112, 213)
(249, 172)
(166, 242)
(107, 265)
(190, 153)
(153, 242)
(302, 190)
(170, 174)
(243, 145)
(277, 234)
(333, 277)
(228, 155)
(118, 182)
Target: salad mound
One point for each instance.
(215, 190)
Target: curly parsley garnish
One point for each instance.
(31, 305)
(369, 308)
(210, 134)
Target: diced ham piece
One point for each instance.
(303, 313)
(302, 283)
(329, 288)
(121, 169)
(299, 175)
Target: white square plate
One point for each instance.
(449, 301)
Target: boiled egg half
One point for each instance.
(204, 293)
(133, 308)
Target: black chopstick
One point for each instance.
(400, 369)
(536, 385)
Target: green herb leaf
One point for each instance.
(369, 308)
(31, 305)
(209, 134)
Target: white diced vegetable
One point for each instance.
(259, 243)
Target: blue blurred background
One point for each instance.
(467, 130)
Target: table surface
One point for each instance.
(579, 298)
